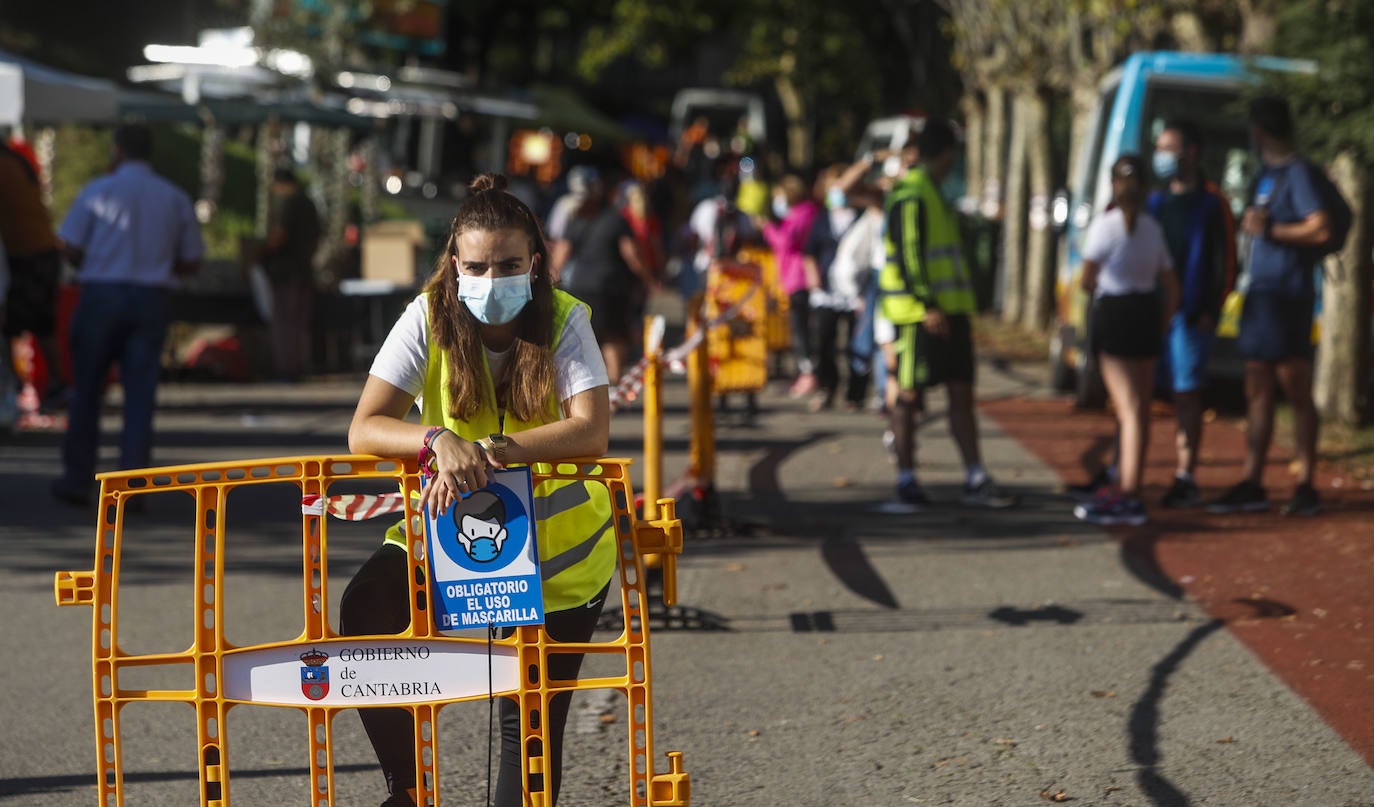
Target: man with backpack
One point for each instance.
(1295, 218)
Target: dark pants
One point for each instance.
(113, 322)
(799, 317)
(291, 308)
(829, 324)
(375, 603)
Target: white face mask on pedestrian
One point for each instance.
(496, 300)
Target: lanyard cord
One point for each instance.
(491, 708)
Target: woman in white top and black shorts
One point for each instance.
(1126, 266)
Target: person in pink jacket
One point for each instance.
(794, 211)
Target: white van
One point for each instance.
(722, 109)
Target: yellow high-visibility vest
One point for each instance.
(929, 263)
(573, 518)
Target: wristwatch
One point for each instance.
(496, 445)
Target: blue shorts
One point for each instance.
(1275, 327)
(1183, 364)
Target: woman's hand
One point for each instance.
(460, 467)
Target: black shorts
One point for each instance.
(1275, 326)
(32, 302)
(611, 315)
(1127, 325)
(927, 360)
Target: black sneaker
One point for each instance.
(401, 799)
(1244, 497)
(1305, 502)
(986, 494)
(1086, 492)
(1182, 493)
(912, 493)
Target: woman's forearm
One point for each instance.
(385, 436)
(572, 437)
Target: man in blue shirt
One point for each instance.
(130, 234)
(1285, 221)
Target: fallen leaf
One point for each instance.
(1004, 741)
(843, 482)
(608, 717)
(1111, 789)
(1057, 795)
(878, 657)
(734, 566)
(753, 733)
(1104, 693)
(1227, 739)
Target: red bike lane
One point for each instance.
(1299, 592)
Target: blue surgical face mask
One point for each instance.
(780, 206)
(1165, 165)
(835, 199)
(495, 301)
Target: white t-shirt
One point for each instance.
(404, 356)
(1130, 262)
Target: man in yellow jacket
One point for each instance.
(927, 293)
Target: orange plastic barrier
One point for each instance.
(294, 674)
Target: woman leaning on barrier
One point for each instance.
(504, 370)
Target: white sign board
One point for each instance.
(484, 559)
(369, 672)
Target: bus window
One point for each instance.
(1213, 109)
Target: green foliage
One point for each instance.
(648, 31)
(80, 154)
(1333, 109)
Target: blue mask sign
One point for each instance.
(484, 557)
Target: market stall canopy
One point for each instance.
(34, 93)
(564, 111)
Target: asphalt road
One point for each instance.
(823, 652)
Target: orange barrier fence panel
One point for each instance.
(295, 674)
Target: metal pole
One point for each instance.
(653, 423)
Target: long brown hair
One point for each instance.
(528, 377)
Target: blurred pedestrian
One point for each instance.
(505, 370)
(612, 276)
(289, 260)
(130, 234)
(794, 213)
(928, 295)
(1201, 235)
(1125, 264)
(35, 266)
(565, 207)
(837, 281)
(1286, 221)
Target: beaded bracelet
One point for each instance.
(427, 451)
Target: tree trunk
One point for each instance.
(1083, 97)
(973, 150)
(1343, 354)
(1014, 216)
(1034, 117)
(794, 109)
(1258, 24)
(994, 144)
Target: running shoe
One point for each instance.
(986, 494)
(1305, 502)
(912, 493)
(1243, 497)
(1112, 511)
(1181, 494)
